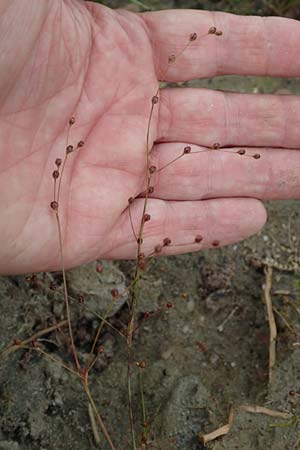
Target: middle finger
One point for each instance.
(205, 117)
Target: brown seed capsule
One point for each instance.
(169, 305)
(142, 364)
(142, 264)
(166, 241)
(72, 121)
(58, 162)
(187, 150)
(34, 343)
(152, 169)
(139, 240)
(158, 248)
(80, 144)
(193, 37)
(100, 350)
(52, 286)
(146, 218)
(114, 293)
(242, 151)
(216, 146)
(292, 392)
(81, 300)
(215, 243)
(54, 205)
(171, 59)
(55, 174)
(69, 149)
(256, 156)
(198, 238)
(219, 33)
(154, 100)
(212, 30)
(146, 314)
(150, 190)
(130, 200)
(17, 341)
(99, 268)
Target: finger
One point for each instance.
(217, 222)
(204, 117)
(248, 45)
(206, 173)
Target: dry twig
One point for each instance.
(271, 320)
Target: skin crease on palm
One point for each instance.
(64, 58)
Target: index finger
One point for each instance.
(248, 45)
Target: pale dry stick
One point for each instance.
(222, 431)
(225, 429)
(271, 319)
(220, 327)
(266, 411)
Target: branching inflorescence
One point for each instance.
(141, 257)
(82, 371)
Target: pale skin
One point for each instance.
(71, 58)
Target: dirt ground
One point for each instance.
(205, 354)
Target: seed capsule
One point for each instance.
(193, 37)
(54, 205)
(80, 144)
(198, 239)
(154, 100)
(72, 121)
(215, 243)
(152, 169)
(114, 293)
(146, 217)
(212, 30)
(69, 149)
(171, 59)
(256, 156)
(219, 33)
(58, 162)
(187, 150)
(242, 151)
(166, 241)
(55, 174)
(216, 146)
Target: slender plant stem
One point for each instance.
(66, 295)
(99, 419)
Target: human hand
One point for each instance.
(72, 58)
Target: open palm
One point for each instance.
(71, 58)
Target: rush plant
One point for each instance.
(74, 366)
